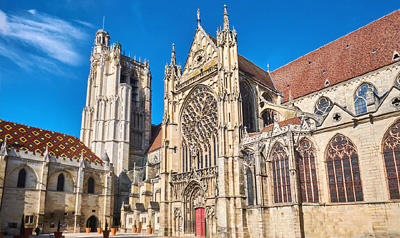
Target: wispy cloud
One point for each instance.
(38, 37)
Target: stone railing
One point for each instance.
(199, 173)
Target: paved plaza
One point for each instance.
(87, 235)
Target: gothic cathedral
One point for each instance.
(311, 149)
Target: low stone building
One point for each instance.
(49, 177)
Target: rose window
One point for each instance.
(199, 119)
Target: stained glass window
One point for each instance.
(397, 83)
(343, 170)
(199, 128)
(323, 106)
(281, 179)
(248, 107)
(360, 100)
(308, 173)
(250, 188)
(391, 154)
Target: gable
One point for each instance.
(202, 55)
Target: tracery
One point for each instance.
(199, 126)
(391, 154)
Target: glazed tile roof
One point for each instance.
(156, 139)
(27, 138)
(359, 52)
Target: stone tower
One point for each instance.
(116, 121)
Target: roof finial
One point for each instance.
(267, 67)
(226, 20)
(173, 58)
(104, 18)
(198, 17)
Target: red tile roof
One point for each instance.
(359, 52)
(156, 140)
(27, 138)
(256, 72)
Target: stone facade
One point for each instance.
(43, 199)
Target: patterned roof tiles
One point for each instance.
(27, 138)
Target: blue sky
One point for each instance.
(45, 45)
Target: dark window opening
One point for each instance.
(21, 179)
(250, 188)
(90, 185)
(60, 182)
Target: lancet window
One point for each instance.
(308, 173)
(391, 154)
(248, 107)
(281, 178)
(343, 170)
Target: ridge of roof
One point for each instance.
(363, 50)
(330, 42)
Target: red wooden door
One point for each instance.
(200, 222)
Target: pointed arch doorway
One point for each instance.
(195, 221)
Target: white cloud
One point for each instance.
(46, 37)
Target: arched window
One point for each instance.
(248, 107)
(280, 169)
(250, 187)
(21, 179)
(323, 106)
(397, 81)
(360, 98)
(343, 170)
(391, 154)
(308, 173)
(268, 117)
(60, 182)
(90, 185)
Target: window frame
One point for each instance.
(345, 191)
(357, 97)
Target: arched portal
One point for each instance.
(195, 221)
(92, 223)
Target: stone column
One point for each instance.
(78, 194)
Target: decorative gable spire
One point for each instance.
(46, 156)
(226, 19)
(198, 17)
(173, 58)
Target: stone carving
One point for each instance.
(199, 119)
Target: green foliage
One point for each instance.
(149, 226)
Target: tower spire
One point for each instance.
(173, 58)
(226, 19)
(198, 17)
